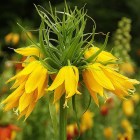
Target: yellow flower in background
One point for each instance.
(108, 132)
(125, 136)
(71, 131)
(136, 98)
(86, 121)
(30, 84)
(65, 81)
(127, 68)
(29, 51)
(128, 107)
(102, 57)
(12, 38)
(127, 126)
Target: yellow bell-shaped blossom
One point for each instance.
(29, 51)
(66, 81)
(29, 87)
(102, 57)
(98, 77)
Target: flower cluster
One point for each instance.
(62, 63)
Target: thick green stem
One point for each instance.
(62, 120)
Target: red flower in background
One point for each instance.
(6, 131)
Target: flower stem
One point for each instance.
(62, 120)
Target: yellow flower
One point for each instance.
(108, 132)
(29, 51)
(30, 84)
(128, 107)
(71, 130)
(12, 38)
(125, 136)
(127, 126)
(65, 81)
(102, 57)
(86, 121)
(98, 77)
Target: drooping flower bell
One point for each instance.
(66, 81)
(29, 85)
(100, 74)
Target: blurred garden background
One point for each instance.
(115, 119)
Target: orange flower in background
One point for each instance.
(12, 38)
(108, 132)
(7, 132)
(104, 110)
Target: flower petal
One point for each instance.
(33, 79)
(92, 83)
(28, 51)
(100, 77)
(59, 79)
(59, 91)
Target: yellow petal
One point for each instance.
(70, 82)
(22, 113)
(42, 84)
(59, 91)
(15, 95)
(11, 105)
(24, 101)
(29, 68)
(19, 81)
(100, 77)
(33, 79)
(102, 57)
(11, 79)
(59, 79)
(118, 79)
(29, 51)
(87, 75)
(30, 109)
(92, 93)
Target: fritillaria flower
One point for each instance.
(62, 63)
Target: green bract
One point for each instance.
(70, 42)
